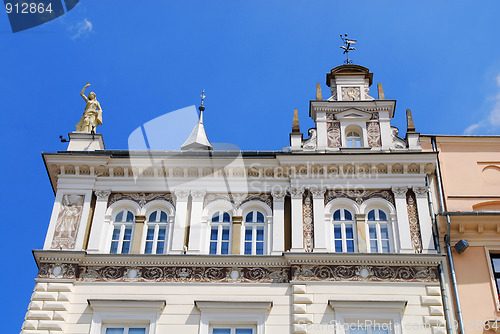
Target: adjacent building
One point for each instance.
(330, 235)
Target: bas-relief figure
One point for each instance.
(68, 221)
(92, 117)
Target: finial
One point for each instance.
(410, 127)
(381, 95)
(202, 107)
(319, 96)
(295, 126)
(347, 47)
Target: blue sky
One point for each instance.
(257, 61)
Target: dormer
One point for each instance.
(350, 119)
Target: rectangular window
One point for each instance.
(113, 329)
(254, 240)
(121, 239)
(343, 235)
(378, 236)
(219, 239)
(223, 329)
(495, 264)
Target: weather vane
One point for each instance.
(347, 47)
(202, 97)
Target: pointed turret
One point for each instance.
(198, 139)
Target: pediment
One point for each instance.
(354, 113)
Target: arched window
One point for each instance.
(122, 232)
(254, 233)
(156, 233)
(343, 231)
(220, 233)
(378, 232)
(353, 139)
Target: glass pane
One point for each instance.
(114, 247)
(137, 331)
(385, 246)
(213, 247)
(119, 217)
(349, 234)
(259, 248)
(244, 331)
(260, 233)
(214, 232)
(373, 232)
(149, 247)
(225, 248)
(350, 246)
(220, 331)
(382, 215)
(384, 232)
(348, 215)
(337, 231)
(116, 233)
(160, 247)
(114, 330)
(358, 143)
(163, 216)
(215, 217)
(128, 233)
(152, 217)
(225, 233)
(260, 217)
(227, 217)
(371, 215)
(496, 264)
(151, 233)
(336, 215)
(359, 330)
(248, 248)
(162, 233)
(349, 143)
(248, 233)
(249, 217)
(126, 247)
(130, 216)
(338, 246)
(373, 246)
(380, 330)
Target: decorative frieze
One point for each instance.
(140, 198)
(359, 196)
(238, 199)
(68, 222)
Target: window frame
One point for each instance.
(156, 225)
(126, 327)
(495, 289)
(354, 139)
(377, 223)
(232, 327)
(343, 223)
(123, 224)
(220, 227)
(254, 225)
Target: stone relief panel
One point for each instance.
(68, 221)
(141, 198)
(351, 94)
(359, 196)
(333, 134)
(373, 130)
(416, 239)
(308, 228)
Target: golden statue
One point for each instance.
(92, 117)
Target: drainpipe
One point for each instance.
(447, 241)
(444, 293)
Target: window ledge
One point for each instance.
(368, 304)
(219, 305)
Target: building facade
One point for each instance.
(331, 235)
(470, 192)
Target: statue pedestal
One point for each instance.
(84, 141)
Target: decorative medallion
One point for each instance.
(351, 94)
(333, 134)
(359, 196)
(416, 240)
(308, 229)
(373, 130)
(68, 221)
(141, 198)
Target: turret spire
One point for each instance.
(198, 139)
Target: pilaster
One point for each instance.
(179, 230)
(236, 239)
(424, 219)
(98, 230)
(403, 223)
(195, 229)
(278, 242)
(320, 242)
(297, 220)
(361, 232)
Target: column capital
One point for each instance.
(420, 191)
(181, 195)
(399, 192)
(102, 195)
(278, 196)
(318, 193)
(198, 195)
(296, 192)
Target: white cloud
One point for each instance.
(493, 119)
(81, 28)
